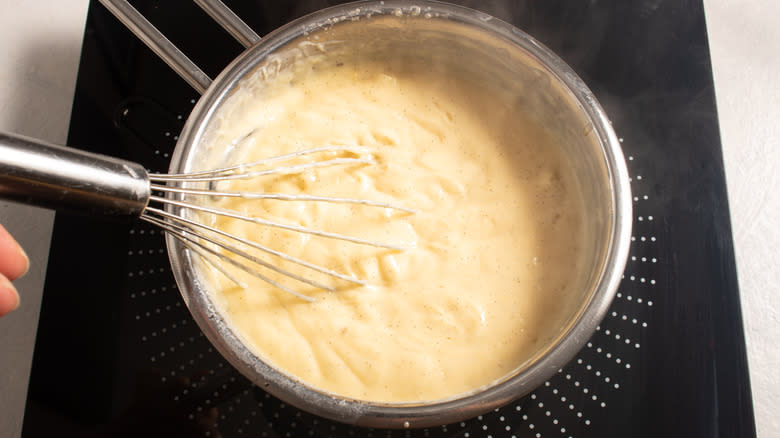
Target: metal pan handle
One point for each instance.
(164, 48)
(229, 21)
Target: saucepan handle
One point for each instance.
(229, 21)
(164, 48)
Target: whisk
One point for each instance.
(38, 173)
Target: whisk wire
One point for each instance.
(284, 170)
(257, 220)
(231, 170)
(281, 197)
(208, 259)
(256, 245)
(180, 233)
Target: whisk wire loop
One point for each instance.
(290, 227)
(206, 241)
(241, 168)
(255, 245)
(281, 197)
(181, 234)
(277, 170)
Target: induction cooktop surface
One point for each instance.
(117, 353)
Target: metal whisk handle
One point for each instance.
(43, 174)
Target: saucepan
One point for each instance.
(452, 35)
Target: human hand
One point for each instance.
(13, 264)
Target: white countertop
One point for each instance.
(41, 43)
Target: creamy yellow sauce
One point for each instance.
(485, 279)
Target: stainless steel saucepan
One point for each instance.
(461, 39)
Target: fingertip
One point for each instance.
(14, 262)
(9, 297)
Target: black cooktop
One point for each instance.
(117, 353)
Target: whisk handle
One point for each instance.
(43, 174)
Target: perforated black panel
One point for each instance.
(119, 355)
